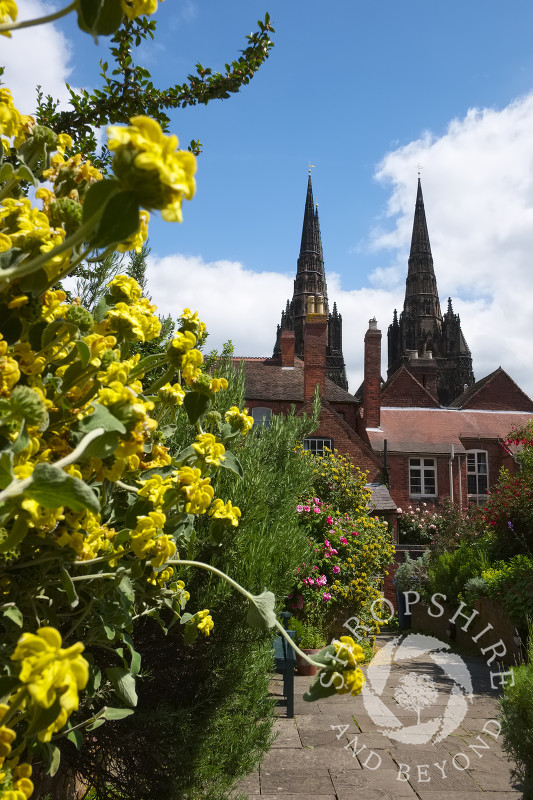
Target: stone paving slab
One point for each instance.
(296, 782)
(311, 760)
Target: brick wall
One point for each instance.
(500, 393)
(404, 391)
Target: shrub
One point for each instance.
(413, 573)
(511, 583)
(509, 515)
(442, 529)
(449, 572)
(517, 722)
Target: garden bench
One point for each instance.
(285, 661)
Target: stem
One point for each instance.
(249, 597)
(80, 619)
(165, 378)
(28, 23)
(19, 699)
(17, 487)
(27, 267)
(81, 725)
(125, 486)
(93, 577)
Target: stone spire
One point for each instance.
(422, 334)
(311, 280)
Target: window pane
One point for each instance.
(429, 483)
(415, 462)
(482, 484)
(482, 463)
(471, 484)
(471, 462)
(416, 486)
(429, 462)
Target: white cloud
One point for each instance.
(478, 192)
(39, 54)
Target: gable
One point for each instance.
(402, 390)
(496, 392)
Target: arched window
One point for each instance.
(261, 416)
(477, 476)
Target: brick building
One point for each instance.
(430, 427)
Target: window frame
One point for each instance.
(261, 421)
(316, 439)
(479, 498)
(424, 479)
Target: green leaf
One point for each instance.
(51, 487)
(95, 724)
(119, 220)
(100, 192)
(135, 664)
(6, 468)
(185, 455)
(24, 173)
(84, 352)
(15, 615)
(7, 684)
(68, 586)
(53, 329)
(126, 588)
(185, 618)
(22, 440)
(124, 684)
(10, 327)
(103, 305)
(76, 737)
(232, 463)
(261, 613)
(317, 691)
(117, 713)
(196, 405)
(55, 759)
(6, 172)
(101, 418)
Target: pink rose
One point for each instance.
(316, 509)
(306, 508)
(299, 509)
(326, 596)
(329, 520)
(336, 570)
(343, 540)
(316, 501)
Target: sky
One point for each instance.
(370, 93)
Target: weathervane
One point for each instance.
(419, 167)
(310, 166)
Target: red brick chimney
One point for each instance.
(288, 340)
(315, 340)
(372, 378)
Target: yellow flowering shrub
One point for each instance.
(95, 514)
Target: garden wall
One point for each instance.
(489, 613)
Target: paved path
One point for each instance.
(311, 759)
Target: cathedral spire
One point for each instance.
(310, 235)
(420, 258)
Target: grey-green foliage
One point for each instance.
(449, 573)
(517, 721)
(206, 720)
(474, 588)
(413, 572)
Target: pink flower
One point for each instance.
(306, 508)
(343, 540)
(327, 544)
(336, 570)
(399, 510)
(315, 569)
(333, 552)
(355, 533)
(329, 520)
(316, 501)
(298, 569)
(316, 509)
(310, 581)
(327, 555)
(299, 509)
(326, 596)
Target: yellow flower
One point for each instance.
(8, 13)
(203, 621)
(137, 239)
(196, 491)
(136, 8)
(209, 450)
(216, 384)
(49, 671)
(172, 395)
(154, 489)
(163, 550)
(145, 531)
(123, 287)
(182, 342)
(148, 163)
(225, 512)
(189, 321)
(238, 419)
(9, 375)
(349, 651)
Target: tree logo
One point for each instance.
(416, 692)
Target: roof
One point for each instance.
(267, 380)
(499, 389)
(381, 499)
(434, 430)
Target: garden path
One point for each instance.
(310, 758)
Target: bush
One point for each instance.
(442, 529)
(449, 572)
(517, 722)
(413, 573)
(509, 515)
(511, 583)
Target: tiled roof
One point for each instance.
(434, 430)
(381, 499)
(267, 380)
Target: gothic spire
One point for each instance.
(420, 258)
(310, 238)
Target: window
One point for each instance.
(317, 444)
(261, 416)
(422, 477)
(477, 476)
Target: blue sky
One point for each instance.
(366, 92)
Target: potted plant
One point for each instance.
(310, 637)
